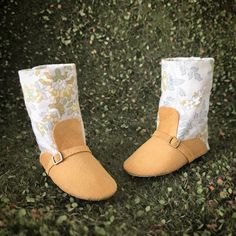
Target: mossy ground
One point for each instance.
(117, 47)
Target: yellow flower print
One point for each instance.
(47, 123)
(193, 102)
(37, 72)
(164, 81)
(58, 106)
(46, 79)
(75, 106)
(50, 117)
(41, 128)
(60, 89)
(32, 94)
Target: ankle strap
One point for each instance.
(49, 160)
(177, 144)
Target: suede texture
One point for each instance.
(163, 153)
(79, 173)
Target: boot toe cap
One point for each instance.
(154, 158)
(84, 177)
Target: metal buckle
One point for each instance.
(56, 162)
(174, 142)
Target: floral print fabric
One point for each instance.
(50, 94)
(186, 86)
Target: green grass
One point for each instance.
(117, 47)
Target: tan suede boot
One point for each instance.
(51, 98)
(182, 133)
